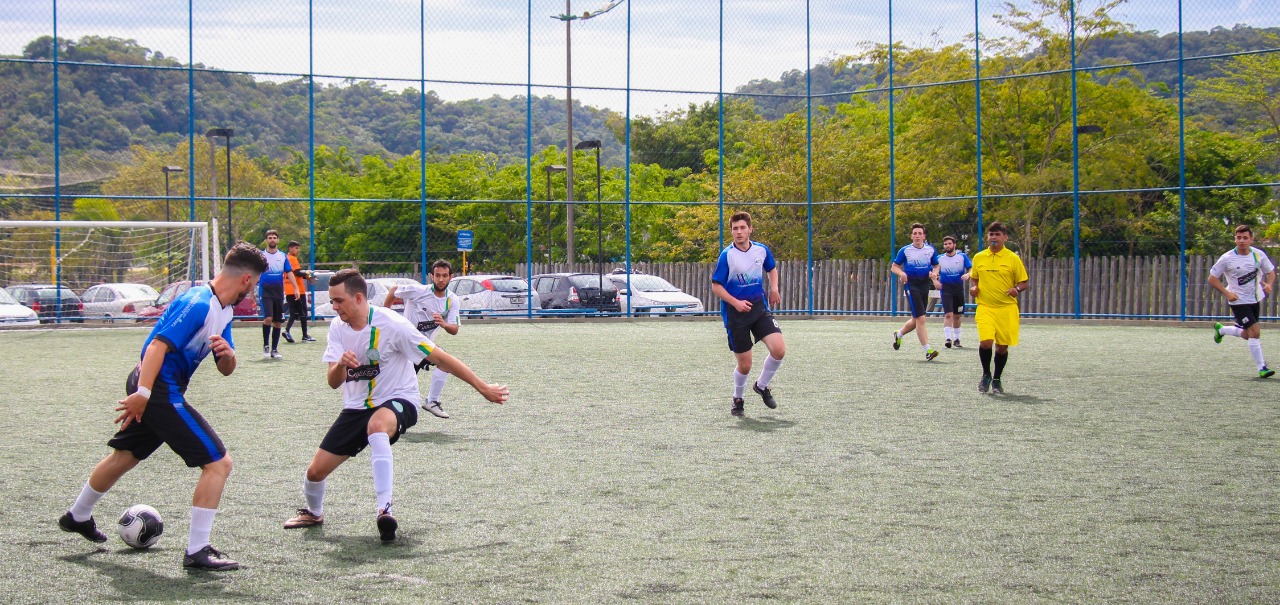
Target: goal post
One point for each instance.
(80, 254)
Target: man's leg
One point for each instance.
(777, 350)
(313, 488)
(105, 474)
(946, 327)
(1254, 335)
(204, 502)
(382, 426)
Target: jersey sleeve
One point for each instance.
(454, 316)
(721, 274)
(414, 345)
(1266, 264)
(769, 262)
(1020, 272)
(900, 258)
(226, 334)
(189, 313)
(968, 263)
(1219, 267)
(332, 349)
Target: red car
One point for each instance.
(245, 309)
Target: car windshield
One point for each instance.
(646, 283)
(7, 299)
(591, 281)
(509, 284)
(138, 291)
(52, 293)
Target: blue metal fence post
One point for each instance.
(1075, 162)
(422, 138)
(528, 160)
(1182, 177)
(191, 115)
(626, 165)
(977, 115)
(311, 137)
(808, 142)
(720, 146)
(893, 185)
(57, 170)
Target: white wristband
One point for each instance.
(144, 391)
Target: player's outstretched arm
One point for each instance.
(492, 392)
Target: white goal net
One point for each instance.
(81, 254)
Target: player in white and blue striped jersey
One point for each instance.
(739, 282)
(1244, 275)
(916, 265)
(953, 271)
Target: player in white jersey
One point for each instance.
(953, 271)
(431, 308)
(371, 355)
(1248, 275)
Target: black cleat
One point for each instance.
(736, 410)
(897, 341)
(766, 395)
(956, 343)
(947, 344)
(387, 525)
(287, 336)
(985, 384)
(210, 559)
(996, 387)
(87, 528)
(306, 338)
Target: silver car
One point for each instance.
(492, 294)
(377, 288)
(109, 302)
(652, 295)
(14, 313)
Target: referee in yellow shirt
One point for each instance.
(998, 279)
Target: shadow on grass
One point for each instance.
(764, 424)
(434, 438)
(137, 584)
(1022, 399)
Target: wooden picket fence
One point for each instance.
(1111, 286)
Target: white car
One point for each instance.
(377, 293)
(109, 302)
(492, 294)
(14, 313)
(652, 295)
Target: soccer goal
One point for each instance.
(81, 254)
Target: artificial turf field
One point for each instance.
(1125, 464)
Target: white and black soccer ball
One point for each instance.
(140, 526)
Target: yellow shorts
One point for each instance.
(998, 323)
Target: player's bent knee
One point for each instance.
(221, 466)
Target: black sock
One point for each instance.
(1001, 359)
(266, 334)
(275, 337)
(289, 325)
(985, 356)
(303, 320)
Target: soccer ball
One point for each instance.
(140, 526)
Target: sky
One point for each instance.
(479, 48)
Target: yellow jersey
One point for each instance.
(996, 272)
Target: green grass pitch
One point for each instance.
(1126, 464)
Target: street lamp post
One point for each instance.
(569, 17)
(595, 144)
(550, 169)
(227, 134)
(168, 249)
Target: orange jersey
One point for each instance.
(289, 290)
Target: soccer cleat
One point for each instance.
(897, 341)
(996, 387)
(209, 558)
(1266, 372)
(956, 343)
(266, 352)
(306, 338)
(985, 384)
(87, 528)
(436, 410)
(387, 525)
(766, 395)
(1217, 333)
(304, 518)
(276, 354)
(287, 336)
(736, 410)
(947, 344)
(930, 355)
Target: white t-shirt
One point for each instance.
(421, 301)
(387, 348)
(1244, 274)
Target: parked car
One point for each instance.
(44, 299)
(109, 302)
(14, 313)
(576, 291)
(652, 295)
(492, 294)
(245, 309)
(376, 287)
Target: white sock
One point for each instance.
(438, 377)
(314, 491)
(926, 348)
(770, 368)
(83, 507)
(946, 330)
(1231, 331)
(739, 384)
(380, 448)
(1255, 349)
(955, 333)
(201, 525)
(897, 334)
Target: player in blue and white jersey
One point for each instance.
(953, 271)
(739, 282)
(371, 354)
(155, 410)
(1249, 276)
(916, 265)
(272, 290)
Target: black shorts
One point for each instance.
(273, 304)
(168, 419)
(350, 432)
(297, 306)
(918, 295)
(745, 329)
(953, 298)
(1247, 314)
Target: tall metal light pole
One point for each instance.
(569, 17)
(225, 133)
(595, 144)
(168, 248)
(550, 169)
